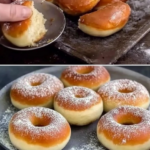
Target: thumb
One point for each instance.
(12, 12)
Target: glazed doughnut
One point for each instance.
(27, 32)
(76, 7)
(36, 89)
(39, 128)
(106, 20)
(125, 128)
(103, 3)
(79, 105)
(86, 76)
(124, 92)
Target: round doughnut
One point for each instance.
(124, 92)
(79, 105)
(106, 20)
(76, 7)
(36, 89)
(87, 76)
(27, 32)
(125, 128)
(103, 3)
(39, 128)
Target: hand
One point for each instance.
(10, 12)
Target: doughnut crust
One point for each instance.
(36, 89)
(79, 105)
(125, 128)
(38, 128)
(76, 7)
(87, 76)
(27, 32)
(106, 20)
(123, 92)
(103, 3)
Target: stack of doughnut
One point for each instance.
(88, 92)
(98, 18)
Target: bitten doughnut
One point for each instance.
(86, 76)
(36, 89)
(27, 32)
(124, 92)
(125, 128)
(76, 7)
(79, 105)
(106, 20)
(38, 128)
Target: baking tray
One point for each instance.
(82, 138)
(106, 50)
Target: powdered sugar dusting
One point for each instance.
(112, 89)
(98, 72)
(22, 123)
(49, 85)
(125, 133)
(92, 143)
(4, 121)
(77, 98)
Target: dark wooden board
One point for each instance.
(106, 50)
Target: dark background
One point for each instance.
(50, 55)
(10, 73)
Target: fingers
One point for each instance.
(11, 12)
(5, 1)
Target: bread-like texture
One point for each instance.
(28, 32)
(105, 21)
(76, 7)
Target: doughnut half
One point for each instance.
(28, 32)
(76, 7)
(106, 20)
(103, 3)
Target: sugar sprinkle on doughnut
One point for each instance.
(22, 123)
(96, 71)
(49, 84)
(69, 97)
(111, 89)
(108, 122)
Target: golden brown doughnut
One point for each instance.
(87, 76)
(103, 3)
(105, 21)
(125, 128)
(36, 89)
(38, 128)
(27, 32)
(79, 105)
(76, 7)
(124, 92)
